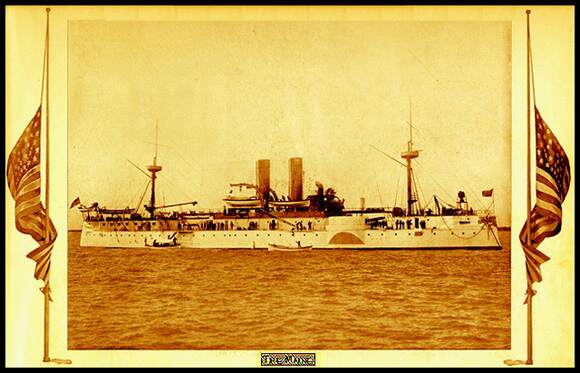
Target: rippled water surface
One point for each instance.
(255, 299)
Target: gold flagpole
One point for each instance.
(46, 291)
(529, 290)
(529, 360)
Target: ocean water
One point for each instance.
(310, 300)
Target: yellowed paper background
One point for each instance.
(553, 48)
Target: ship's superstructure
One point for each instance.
(254, 216)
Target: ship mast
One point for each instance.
(408, 156)
(154, 168)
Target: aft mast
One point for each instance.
(154, 168)
(408, 156)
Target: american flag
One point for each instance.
(23, 174)
(552, 182)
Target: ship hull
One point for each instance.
(121, 239)
(343, 232)
(426, 239)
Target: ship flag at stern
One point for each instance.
(487, 193)
(77, 201)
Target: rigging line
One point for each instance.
(423, 64)
(181, 174)
(378, 189)
(135, 199)
(478, 199)
(143, 195)
(435, 181)
(423, 194)
(171, 195)
(403, 188)
(397, 189)
(428, 203)
(487, 210)
(416, 190)
(137, 167)
(419, 188)
(392, 158)
(445, 203)
(379, 192)
(177, 187)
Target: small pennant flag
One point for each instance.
(77, 201)
(487, 193)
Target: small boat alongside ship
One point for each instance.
(169, 242)
(297, 247)
(256, 216)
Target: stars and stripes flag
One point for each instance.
(23, 174)
(552, 182)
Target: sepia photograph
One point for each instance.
(292, 188)
(254, 172)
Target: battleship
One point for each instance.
(255, 216)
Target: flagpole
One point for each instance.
(46, 291)
(529, 360)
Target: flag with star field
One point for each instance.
(552, 183)
(23, 174)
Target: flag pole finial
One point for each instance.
(47, 10)
(528, 11)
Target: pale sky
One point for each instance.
(226, 94)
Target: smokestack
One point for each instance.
(263, 178)
(362, 203)
(295, 185)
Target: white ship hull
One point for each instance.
(471, 238)
(345, 232)
(121, 239)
